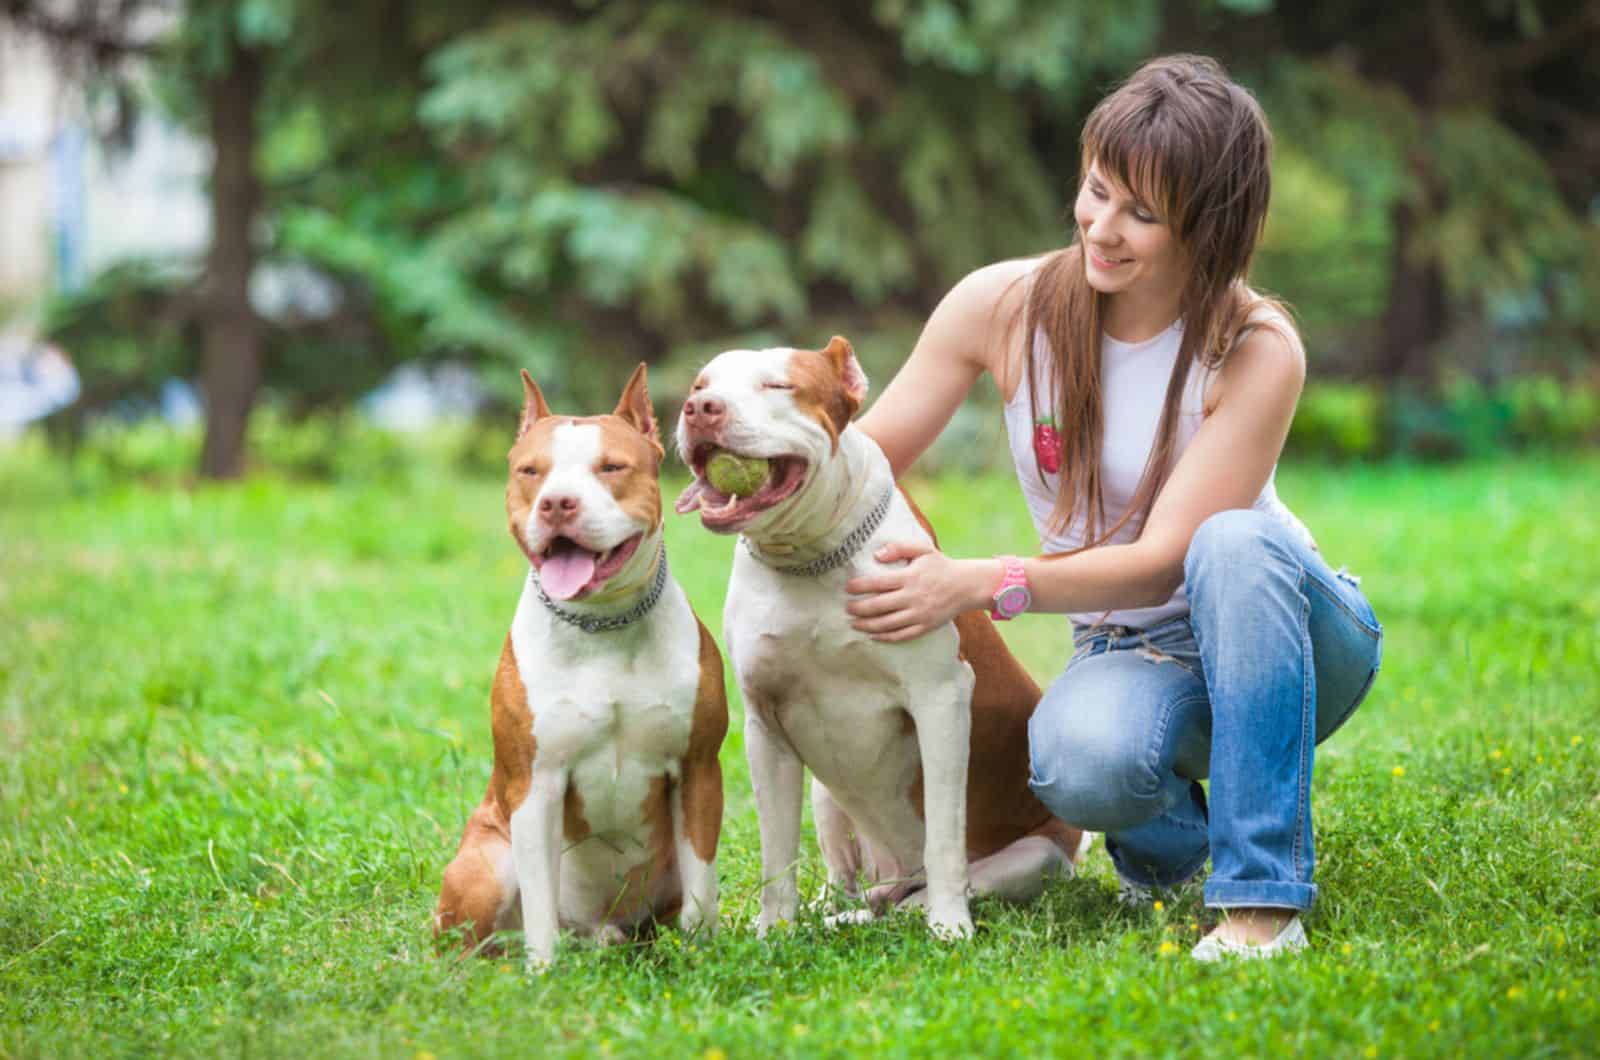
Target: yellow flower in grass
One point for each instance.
(714, 1053)
(1433, 1028)
(1168, 949)
(1158, 906)
(1399, 771)
(1514, 993)
(1495, 753)
(1372, 1050)
(1576, 740)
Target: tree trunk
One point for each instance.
(1416, 317)
(232, 370)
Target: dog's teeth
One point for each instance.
(726, 509)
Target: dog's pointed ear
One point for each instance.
(843, 358)
(534, 408)
(635, 408)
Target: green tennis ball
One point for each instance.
(733, 474)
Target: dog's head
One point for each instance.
(784, 405)
(584, 492)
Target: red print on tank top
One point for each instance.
(1047, 444)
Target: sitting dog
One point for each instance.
(888, 730)
(605, 803)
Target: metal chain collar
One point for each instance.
(607, 623)
(839, 556)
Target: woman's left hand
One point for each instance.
(930, 590)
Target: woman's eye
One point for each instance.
(1144, 217)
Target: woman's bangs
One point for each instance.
(1139, 155)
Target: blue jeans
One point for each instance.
(1276, 652)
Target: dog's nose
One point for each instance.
(704, 411)
(558, 508)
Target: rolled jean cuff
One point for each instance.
(1277, 894)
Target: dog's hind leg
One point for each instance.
(480, 885)
(841, 846)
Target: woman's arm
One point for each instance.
(959, 342)
(1225, 466)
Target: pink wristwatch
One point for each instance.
(1011, 596)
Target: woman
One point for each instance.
(1148, 393)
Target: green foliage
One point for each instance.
(244, 725)
(1337, 420)
(132, 326)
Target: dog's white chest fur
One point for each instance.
(844, 701)
(615, 722)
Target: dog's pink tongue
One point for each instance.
(567, 571)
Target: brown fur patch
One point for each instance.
(637, 489)
(1001, 808)
(471, 893)
(702, 770)
(820, 392)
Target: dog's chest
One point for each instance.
(838, 695)
(615, 716)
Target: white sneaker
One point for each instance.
(1288, 940)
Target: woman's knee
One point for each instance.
(1088, 769)
(1239, 550)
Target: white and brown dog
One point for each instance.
(918, 749)
(605, 802)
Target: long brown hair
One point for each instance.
(1196, 147)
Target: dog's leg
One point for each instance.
(480, 884)
(943, 715)
(697, 813)
(1018, 873)
(536, 845)
(775, 774)
(840, 843)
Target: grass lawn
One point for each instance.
(241, 727)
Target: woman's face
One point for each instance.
(1128, 246)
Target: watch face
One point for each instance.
(1012, 600)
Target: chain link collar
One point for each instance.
(839, 556)
(607, 623)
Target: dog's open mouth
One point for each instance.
(568, 570)
(725, 512)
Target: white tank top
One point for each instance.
(1133, 385)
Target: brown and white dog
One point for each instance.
(918, 749)
(605, 802)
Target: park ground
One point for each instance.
(241, 727)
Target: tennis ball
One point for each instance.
(733, 474)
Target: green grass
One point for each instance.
(240, 729)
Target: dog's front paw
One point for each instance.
(766, 922)
(694, 924)
(952, 924)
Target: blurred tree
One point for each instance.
(644, 174)
(1475, 126)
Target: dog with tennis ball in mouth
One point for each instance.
(918, 749)
(605, 802)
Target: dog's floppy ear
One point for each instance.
(843, 358)
(635, 408)
(534, 408)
